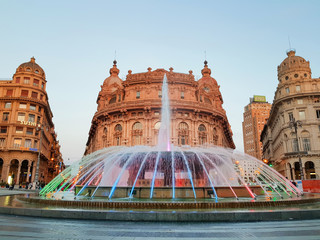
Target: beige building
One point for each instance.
(297, 98)
(255, 117)
(24, 111)
(129, 111)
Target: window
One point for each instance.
(156, 113)
(35, 144)
(118, 128)
(306, 144)
(26, 80)
(3, 129)
(302, 115)
(21, 117)
(2, 142)
(39, 119)
(158, 125)
(160, 94)
(29, 131)
(33, 107)
(298, 88)
(31, 118)
(294, 145)
(36, 71)
(19, 130)
(39, 109)
(200, 98)
(36, 82)
(41, 97)
(42, 85)
(119, 98)
(27, 143)
(138, 94)
(9, 93)
(34, 95)
(182, 95)
(300, 101)
(5, 117)
(296, 75)
(24, 93)
(7, 105)
(17, 143)
(183, 134)
(287, 90)
(318, 114)
(28, 69)
(23, 105)
(113, 99)
(17, 79)
(290, 116)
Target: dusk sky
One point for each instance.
(75, 43)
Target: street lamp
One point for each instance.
(36, 177)
(295, 124)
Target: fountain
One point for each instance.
(170, 173)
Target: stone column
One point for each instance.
(28, 172)
(18, 175)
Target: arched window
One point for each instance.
(310, 171)
(113, 99)
(136, 133)
(202, 134)
(157, 125)
(183, 134)
(215, 136)
(105, 137)
(118, 134)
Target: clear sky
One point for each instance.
(75, 43)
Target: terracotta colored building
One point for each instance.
(297, 99)
(24, 111)
(129, 111)
(255, 117)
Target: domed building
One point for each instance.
(296, 103)
(25, 127)
(129, 111)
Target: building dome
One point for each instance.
(293, 67)
(114, 78)
(31, 67)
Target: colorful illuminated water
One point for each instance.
(165, 171)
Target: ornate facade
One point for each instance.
(26, 122)
(129, 111)
(297, 98)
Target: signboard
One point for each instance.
(30, 149)
(28, 123)
(257, 98)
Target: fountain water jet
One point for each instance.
(169, 172)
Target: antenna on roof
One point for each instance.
(289, 42)
(115, 54)
(290, 49)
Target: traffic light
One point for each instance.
(270, 165)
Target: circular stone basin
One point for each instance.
(126, 203)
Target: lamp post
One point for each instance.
(36, 177)
(295, 124)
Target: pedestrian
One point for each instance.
(27, 184)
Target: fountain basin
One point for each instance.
(167, 193)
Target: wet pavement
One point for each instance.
(19, 227)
